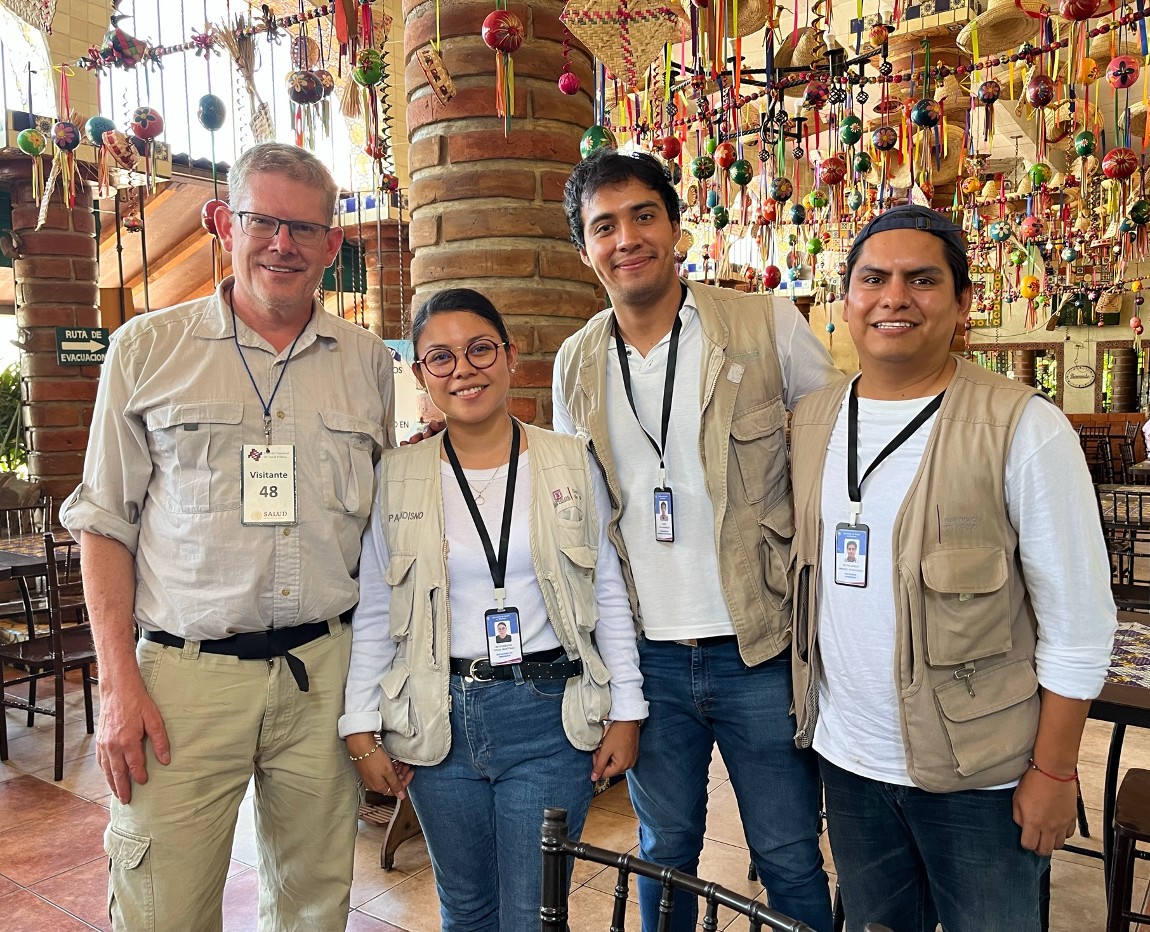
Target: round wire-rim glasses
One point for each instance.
(442, 361)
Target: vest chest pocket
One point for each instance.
(348, 445)
(197, 450)
(760, 451)
(966, 605)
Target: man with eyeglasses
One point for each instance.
(228, 479)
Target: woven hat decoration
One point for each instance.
(625, 35)
(746, 17)
(1061, 125)
(1005, 25)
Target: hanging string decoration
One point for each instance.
(146, 125)
(240, 47)
(503, 32)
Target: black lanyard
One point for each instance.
(266, 405)
(668, 384)
(498, 566)
(854, 484)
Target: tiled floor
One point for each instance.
(53, 873)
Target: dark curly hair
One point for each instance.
(606, 167)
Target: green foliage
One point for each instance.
(13, 446)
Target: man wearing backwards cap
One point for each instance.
(945, 682)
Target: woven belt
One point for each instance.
(257, 645)
(537, 666)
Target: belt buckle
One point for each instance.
(472, 675)
(688, 642)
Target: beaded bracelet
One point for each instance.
(1047, 773)
(376, 747)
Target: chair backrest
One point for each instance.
(33, 518)
(1124, 506)
(557, 848)
(65, 585)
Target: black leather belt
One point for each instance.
(709, 642)
(257, 645)
(537, 666)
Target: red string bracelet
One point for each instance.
(1054, 776)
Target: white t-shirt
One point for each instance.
(471, 595)
(678, 583)
(1050, 502)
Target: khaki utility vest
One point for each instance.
(564, 547)
(965, 631)
(742, 443)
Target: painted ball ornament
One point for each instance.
(710, 144)
(850, 130)
(326, 80)
(740, 172)
(772, 277)
(781, 190)
(1122, 71)
(208, 215)
(95, 128)
(971, 185)
(1088, 71)
(568, 83)
(368, 70)
(596, 137)
(1069, 254)
(31, 142)
(702, 167)
(211, 112)
(146, 123)
(926, 113)
(1040, 91)
(798, 214)
(303, 87)
(878, 34)
(1085, 143)
(712, 199)
(816, 199)
(768, 213)
(862, 163)
(884, 138)
(1140, 212)
(833, 170)
(1126, 225)
(721, 216)
(503, 31)
(1029, 287)
(1040, 173)
(814, 246)
(1000, 231)
(1017, 257)
(669, 147)
(674, 172)
(1119, 163)
(989, 92)
(854, 199)
(1030, 229)
(65, 136)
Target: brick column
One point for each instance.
(56, 286)
(388, 275)
(487, 211)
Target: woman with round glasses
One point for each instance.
(493, 638)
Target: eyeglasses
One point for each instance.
(481, 354)
(261, 226)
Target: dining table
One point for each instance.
(23, 555)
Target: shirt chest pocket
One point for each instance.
(197, 455)
(348, 449)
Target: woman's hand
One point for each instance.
(377, 770)
(618, 750)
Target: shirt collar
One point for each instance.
(216, 324)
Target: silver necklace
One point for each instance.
(478, 493)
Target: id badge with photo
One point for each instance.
(664, 516)
(268, 489)
(851, 549)
(504, 639)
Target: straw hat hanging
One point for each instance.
(753, 15)
(1060, 131)
(1006, 25)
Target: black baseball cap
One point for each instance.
(913, 217)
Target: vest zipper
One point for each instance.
(806, 735)
(447, 611)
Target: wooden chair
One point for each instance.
(19, 521)
(66, 646)
(557, 848)
(1131, 826)
(1095, 441)
(398, 815)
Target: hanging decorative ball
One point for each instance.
(878, 34)
(1078, 10)
(926, 113)
(1029, 287)
(798, 214)
(1030, 228)
(1085, 143)
(710, 144)
(794, 273)
(1000, 231)
(862, 163)
(597, 137)
(884, 138)
(830, 326)
(816, 94)
(303, 87)
(712, 199)
(1140, 212)
(1125, 225)
(1119, 163)
(568, 83)
(95, 128)
(503, 31)
(854, 199)
(772, 277)
(212, 112)
(1018, 257)
(816, 199)
(850, 130)
(721, 217)
(814, 246)
(208, 215)
(741, 172)
(725, 155)
(326, 80)
(989, 92)
(1135, 323)
(31, 142)
(768, 212)
(368, 70)
(1069, 253)
(971, 185)
(65, 136)
(1122, 71)
(1040, 90)
(1136, 285)
(833, 170)
(1040, 173)
(702, 167)
(781, 190)
(669, 147)
(146, 123)
(1088, 71)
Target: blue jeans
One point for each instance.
(909, 859)
(699, 696)
(481, 807)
